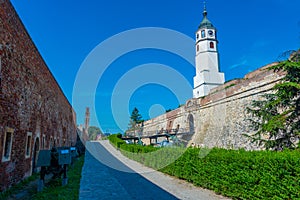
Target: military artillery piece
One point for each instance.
(55, 161)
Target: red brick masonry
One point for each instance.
(31, 101)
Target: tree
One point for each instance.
(135, 119)
(276, 118)
(136, 116)
(93, 132)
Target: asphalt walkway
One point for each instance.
(107, 174)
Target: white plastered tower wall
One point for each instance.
(208, 75)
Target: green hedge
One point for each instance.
(116, 140)
(147, 155)
(242, 174)
(238, 174)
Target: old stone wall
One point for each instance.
(220, 119)
(31, 102)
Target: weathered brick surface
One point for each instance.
(30, 99)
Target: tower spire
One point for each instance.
(204, 9)
(205, 22)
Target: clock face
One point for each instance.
(210, 33)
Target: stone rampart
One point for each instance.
(219, 119)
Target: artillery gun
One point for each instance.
(55, 161)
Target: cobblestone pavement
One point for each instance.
(107, 174)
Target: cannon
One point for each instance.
(55, 161)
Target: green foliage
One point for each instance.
(53, 190)
(238, 174)
(242, 174)
(153, 157)
(93, 132)
(150, 156)
(16, 188)
(136, 116)
(116, 140)
(276, 118)
(134, 148)
(135, 119)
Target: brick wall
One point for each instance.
(31, 101)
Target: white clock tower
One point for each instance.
(208, 75)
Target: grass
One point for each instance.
(54, 190)
(17, 187)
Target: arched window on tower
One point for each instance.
(203, 34)
(197, 47)
(211, 45)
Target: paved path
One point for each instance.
(127, 179)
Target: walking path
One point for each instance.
(107, 174)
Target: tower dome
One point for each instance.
(205, 22)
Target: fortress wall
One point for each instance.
(220, 119)
(31, 102)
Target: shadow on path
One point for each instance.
(102, 182)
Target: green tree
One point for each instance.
(136, 116)
(135, 120)
(276, 118)
(93, 132)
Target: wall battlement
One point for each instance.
(220, 118)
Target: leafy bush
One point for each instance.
(238, 174)
(242, 174)
(150, 156)
(133, 148)
(116, 140)
(155, 158)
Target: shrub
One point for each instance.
(242, 174)
(116, 140)
(238, 174)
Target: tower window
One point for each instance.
(211, 45)
(197, 48)
(203, 34)
(197, 36)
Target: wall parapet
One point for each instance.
(220, 118)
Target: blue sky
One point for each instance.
(251, 33)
